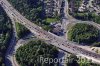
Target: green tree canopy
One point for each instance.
(5, 34)
(29, 54)
(83, 33)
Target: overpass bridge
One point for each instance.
(51, 38)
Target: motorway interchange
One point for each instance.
(51, 38)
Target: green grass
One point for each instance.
(22, 31)
(50, 20)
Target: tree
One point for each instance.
(30, 53)
(83, 33)
(5, 34)
(22, 31)
(72, 61)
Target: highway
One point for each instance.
(42, 34)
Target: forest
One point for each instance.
(29, 54)
(83, 33)
(5, 34)
(32, 10)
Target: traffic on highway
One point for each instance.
(51, 38)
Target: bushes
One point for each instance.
(21, 30)
(28, 54)
(83, 33)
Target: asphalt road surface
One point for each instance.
(53, 39)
